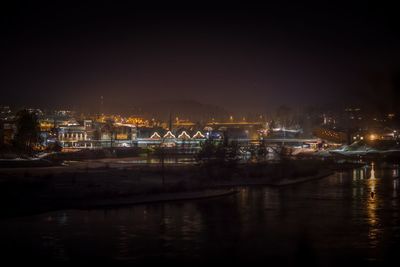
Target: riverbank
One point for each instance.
(91, 184)
(275, 183)
(163, 197)
(43, 205)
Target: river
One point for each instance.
(331, 221)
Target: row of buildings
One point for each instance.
(73, 131)
(95, 135)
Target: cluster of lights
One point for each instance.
(373, 137)
(136, 121)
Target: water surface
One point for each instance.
(335, 220)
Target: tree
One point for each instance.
(97, 134)
(221, 152)
(284, 115)
(207, 151)
(232, 152)
(218, 160)
(272, 125)
(28, 130)
(54, 147)
(110, 128)
(160, 153)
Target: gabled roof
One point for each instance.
(198, 135)
(184, 135)
(169, 135)
(155, 135)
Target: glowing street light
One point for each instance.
(372, 137)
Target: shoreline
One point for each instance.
(59, 205)
(212, 192)
(158, 198)
(283, 182)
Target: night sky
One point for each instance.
(239, 57)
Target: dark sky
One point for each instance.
(244, 57)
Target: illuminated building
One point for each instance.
(5, 112)
(178, 138)
(137, 121)
(184, 123)
(70, 136)
(7, 132)
(46, 125)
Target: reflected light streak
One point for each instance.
(372, 208)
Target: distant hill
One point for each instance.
(184, 109)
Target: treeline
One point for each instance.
(27, 139)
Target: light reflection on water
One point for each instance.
(328, 220)
(372, 209)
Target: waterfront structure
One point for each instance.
(178, 139)
(73, 136)
(97, 135)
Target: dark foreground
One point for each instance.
(327, 222)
